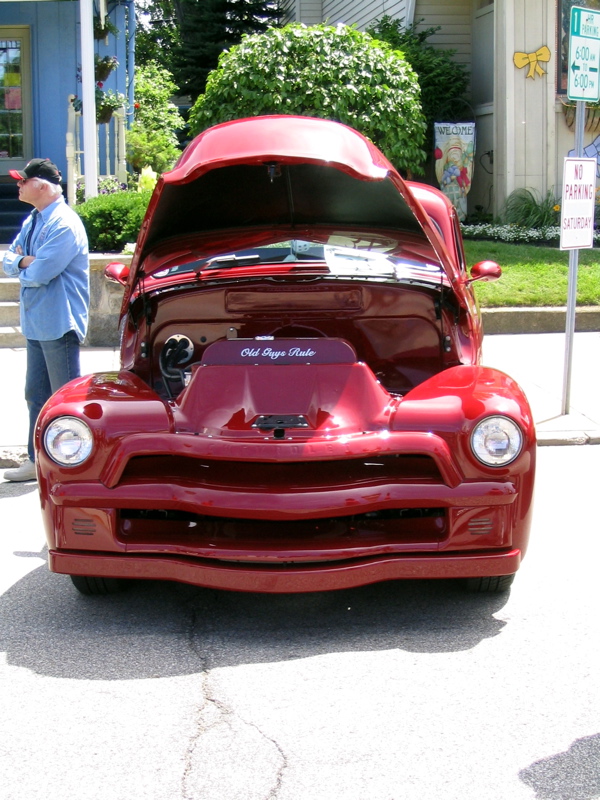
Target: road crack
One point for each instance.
(226, 755)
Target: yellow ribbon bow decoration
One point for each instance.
(523, 59)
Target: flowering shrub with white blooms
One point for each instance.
(515, 233)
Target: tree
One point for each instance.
(443, 81)
(320, 71)
(158, 32)
(211, 26)
(203, 36)
(253, 16)
(152, 139)
(188, 36)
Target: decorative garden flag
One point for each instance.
(591, 151)
(454, 152)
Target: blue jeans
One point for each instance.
(49, 366)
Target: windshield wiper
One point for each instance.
(233, 260)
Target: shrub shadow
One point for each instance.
(572, 775)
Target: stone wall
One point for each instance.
(105, 302)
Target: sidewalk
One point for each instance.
(14, 420)
(535, 361)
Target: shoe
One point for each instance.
(26, 472)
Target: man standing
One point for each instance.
(50, 258)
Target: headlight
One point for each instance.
(496, 441)
(68, 441)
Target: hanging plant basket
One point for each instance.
(592, 117)
(103, 115)
(103, 67)
(107, 103)
(101, 72)
(101, 30)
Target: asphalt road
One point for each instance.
(401, 691)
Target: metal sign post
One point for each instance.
(577, 208)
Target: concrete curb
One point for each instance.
(539, 320)
(556, 438)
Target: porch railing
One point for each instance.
(111, 149)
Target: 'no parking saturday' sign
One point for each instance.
(578, 199)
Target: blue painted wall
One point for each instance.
(55, 56)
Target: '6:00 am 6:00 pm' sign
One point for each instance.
(584, 55)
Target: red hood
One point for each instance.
(249, 179)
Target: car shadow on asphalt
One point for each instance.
(17, 489)
(160, 629)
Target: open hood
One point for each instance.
(248, 179)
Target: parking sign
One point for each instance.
(578, 201)
(584, 55)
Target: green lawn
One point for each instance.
(534, 276)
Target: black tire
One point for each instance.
(88, 585)
(495, 583)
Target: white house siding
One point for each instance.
(525, 119)
(288, 10)
(482, 99)
(455, 19)
(363, 13)
(482, 75)
(308, 11)
(530, 128)
(454, 16)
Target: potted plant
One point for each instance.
(107, 103)
(103, 28)
(104, 66)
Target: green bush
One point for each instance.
(148, 148)
(320, 71)
(525, 207)
(152, 139)
(112, 220)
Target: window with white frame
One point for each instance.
(11, 100)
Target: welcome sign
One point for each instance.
(454, 154)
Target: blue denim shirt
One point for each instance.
(55, 287)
